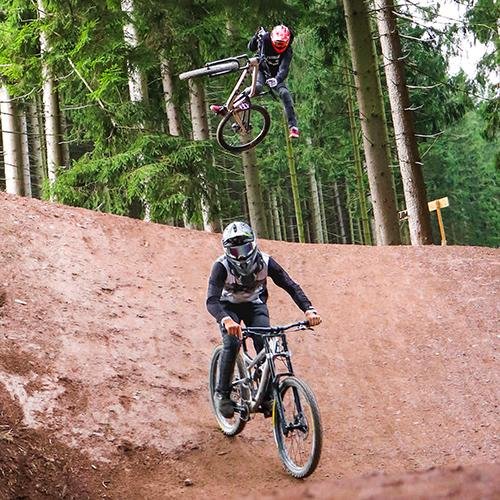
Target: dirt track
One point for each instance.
(105, 342)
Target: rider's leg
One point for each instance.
(286, 99)
(231, 346)
(258, 316)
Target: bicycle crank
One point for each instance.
(243, 410)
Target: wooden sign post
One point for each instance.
(437, 205)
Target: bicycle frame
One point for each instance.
(275, 346)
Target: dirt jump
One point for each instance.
(105, 344)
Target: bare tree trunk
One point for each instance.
(409, 158)
(269, 217)
(254, 194)
(323, 211)
(138, 90)
(201, 132)
(174, 123)
(23, 127)
(51, 106)
(374, 126)
(358, 165)
(12, 152)
(66, 159)
(34, 129)
(294, 182)
(282, 214)
(340, 215)
(276, 216)
(315, 208)
(137, 84)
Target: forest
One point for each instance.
(93, 115)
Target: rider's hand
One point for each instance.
(313, 317)
(232, 327)
(272, 82)
(261, 32)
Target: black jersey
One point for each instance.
(224, 287)
(274, 64)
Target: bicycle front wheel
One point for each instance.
(243, 129)
(234, 425)
(297, 429)
(216, 69)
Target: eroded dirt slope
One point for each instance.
(105, 342)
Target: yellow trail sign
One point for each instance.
(441, 203)
(437, 205)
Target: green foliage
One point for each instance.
(462, 165)
(162, 172)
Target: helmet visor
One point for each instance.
(281, 44)
(241, 252)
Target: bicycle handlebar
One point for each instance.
(274, 330)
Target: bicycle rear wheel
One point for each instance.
(234, 425)
(210, 70)
(243, 129)
(299, 437)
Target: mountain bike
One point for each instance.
(244, 124)
(295, 413)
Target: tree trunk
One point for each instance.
(373, 124)
(12, 152)
(65, 155)
(137, 84)
(174, 123)
(402, 117)
(294, 183)
(254, 194)
(358, 165)
(201, 132)
(282, 214)
(35, 134)
(350, 214)
(315, 208)
(51, 107)
(275, 216)
(269, 218)
(23, 127)
(323, 211)
(340, 215)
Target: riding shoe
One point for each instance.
(224, 404)
(218, 109)
(294, 132)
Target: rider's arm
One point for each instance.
(214, 292)
(283, 280)
(284, 65)
(253, 44)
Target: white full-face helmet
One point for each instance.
(240, 247)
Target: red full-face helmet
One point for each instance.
(280, 38)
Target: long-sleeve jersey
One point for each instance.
(224, 287)
(274, 63)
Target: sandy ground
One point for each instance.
(105, 344)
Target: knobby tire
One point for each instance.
(210, 70)
(229, 426)
(293, 387)
(225, 124)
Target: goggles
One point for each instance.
(241, 252)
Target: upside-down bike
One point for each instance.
(295, 413)
(244, 124)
